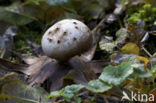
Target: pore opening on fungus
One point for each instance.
(74, 22)
(74, 39)
(65, 33)
(76, 27)
(57, 29)
(58, 42)
(50, 40)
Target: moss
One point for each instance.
(147, 7)
(145, 13)
(25, 33)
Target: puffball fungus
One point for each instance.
(65, 39)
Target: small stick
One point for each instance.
(98, 26)
(94, 31)
(144, 49)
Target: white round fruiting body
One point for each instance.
(66, 38)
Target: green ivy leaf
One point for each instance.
(56, 2)
(68, 96)
(98, 86)
(56, 94)
(117, 74)
(68, 92)
(73, 88)
(141, 73)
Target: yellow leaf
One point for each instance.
(154, 34)
(143, 59)
(130, 48)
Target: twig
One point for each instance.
(144, 49)
(98, 26)
(106, 100)
(94, 31)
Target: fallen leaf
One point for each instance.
(79, 64)
(14, 14)
(122, 35)
(143, 59)
(130, 48)
(118, 58)
(23, 94)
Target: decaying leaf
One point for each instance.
(109, 47)
(107, 44)
(16, 14)
(122, 35)
(48, 70)
(78, 64)
(118, 58)
(144, 60)
(130, 48)
(98, 65)
(17, 91)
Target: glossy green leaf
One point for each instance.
(117, 74)
(98, 86)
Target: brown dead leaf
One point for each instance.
(98, 65)
(79, 64)
(51, 74)
(10, 66)
(76, 76)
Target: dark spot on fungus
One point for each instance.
(58, 42)
(74, 39)
(50, 40)
(65, 33)
(49, 32)
(74, 22)
(57, 29)
(76, 27)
